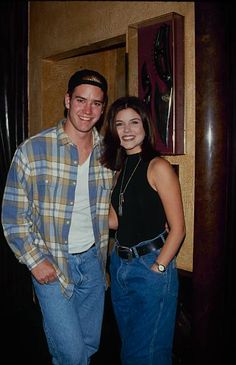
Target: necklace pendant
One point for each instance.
(121, 201)
(122, 190)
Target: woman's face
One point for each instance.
(130, 130)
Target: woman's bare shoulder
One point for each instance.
(159, 164)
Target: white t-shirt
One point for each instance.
(81, 236)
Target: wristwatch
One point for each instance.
(161, 267)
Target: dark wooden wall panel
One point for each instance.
(214, 148)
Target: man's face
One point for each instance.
(85, 107)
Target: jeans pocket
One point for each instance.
(148, 260)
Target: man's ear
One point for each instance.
(67, 101)
(104, 107)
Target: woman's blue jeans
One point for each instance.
(73, 326)
(145, 305)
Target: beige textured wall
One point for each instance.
(64, 26)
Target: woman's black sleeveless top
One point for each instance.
(143, 215)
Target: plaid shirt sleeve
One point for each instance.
(17, 224)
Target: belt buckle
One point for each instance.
(125, 249)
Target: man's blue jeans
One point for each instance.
(73, 326)
(144, 304)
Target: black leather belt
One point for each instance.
(136, 251)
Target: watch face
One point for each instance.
(161, 268)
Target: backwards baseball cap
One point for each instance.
(89, 77)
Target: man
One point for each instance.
(55, 219)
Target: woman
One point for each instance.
(145, 200)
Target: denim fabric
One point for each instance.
(145, 305)
(73, 325)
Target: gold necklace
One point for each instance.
(121, 194)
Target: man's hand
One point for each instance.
(44, 272)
